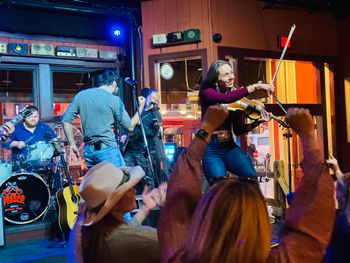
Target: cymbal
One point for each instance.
(52, 119)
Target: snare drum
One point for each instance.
(25, 198)
(5, 170)
(39, 155)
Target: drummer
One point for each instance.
(28, 132)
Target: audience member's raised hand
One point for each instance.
(213, 118)
(149, 198)
(155, 197)
(300, 120)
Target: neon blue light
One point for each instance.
(118, 32)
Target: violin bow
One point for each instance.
(279, 65)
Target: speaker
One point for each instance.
(18, 48)
(217, 37)
(2, 232)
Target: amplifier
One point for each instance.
(18, 48)
(65, 51)
(87, 53)
(111, 55)
(3, 47)
(192, 35)
(42, 49)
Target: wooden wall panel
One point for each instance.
(170, 16)
(243, 24)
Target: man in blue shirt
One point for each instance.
(99, 109)
(31, 140)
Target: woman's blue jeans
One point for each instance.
(221, 157)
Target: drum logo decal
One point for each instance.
(13, 198)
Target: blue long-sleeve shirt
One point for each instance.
(42, 132)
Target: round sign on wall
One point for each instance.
(166, 71)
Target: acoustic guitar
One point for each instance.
(68, 203)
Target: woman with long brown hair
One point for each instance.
(228, 234)
(222, 153)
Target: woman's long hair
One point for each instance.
(230, 224)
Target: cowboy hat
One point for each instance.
(104, 185)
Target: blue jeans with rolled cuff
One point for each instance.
(221, 157)
(105, 153)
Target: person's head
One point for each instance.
(230, 224)
(152, 97)
(109, 79)
(220, 74)
(33, 120)
(108, 189)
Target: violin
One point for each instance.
(252, 109)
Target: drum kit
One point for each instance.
(29, 183)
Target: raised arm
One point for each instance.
(211, 96)
(135, 120)
(184, 189)
(309, 219)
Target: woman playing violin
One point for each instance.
(222, 154)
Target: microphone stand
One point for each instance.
(143, 134)
(63, 170)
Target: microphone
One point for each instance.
(130, 81)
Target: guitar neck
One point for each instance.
(13, 121)
(70, 184)
(67, 175)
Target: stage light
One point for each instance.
(118, 32)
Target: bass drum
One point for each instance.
(25, 198)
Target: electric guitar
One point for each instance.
(68, 202)
(23, 113)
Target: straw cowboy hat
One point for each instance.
(103, 186)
